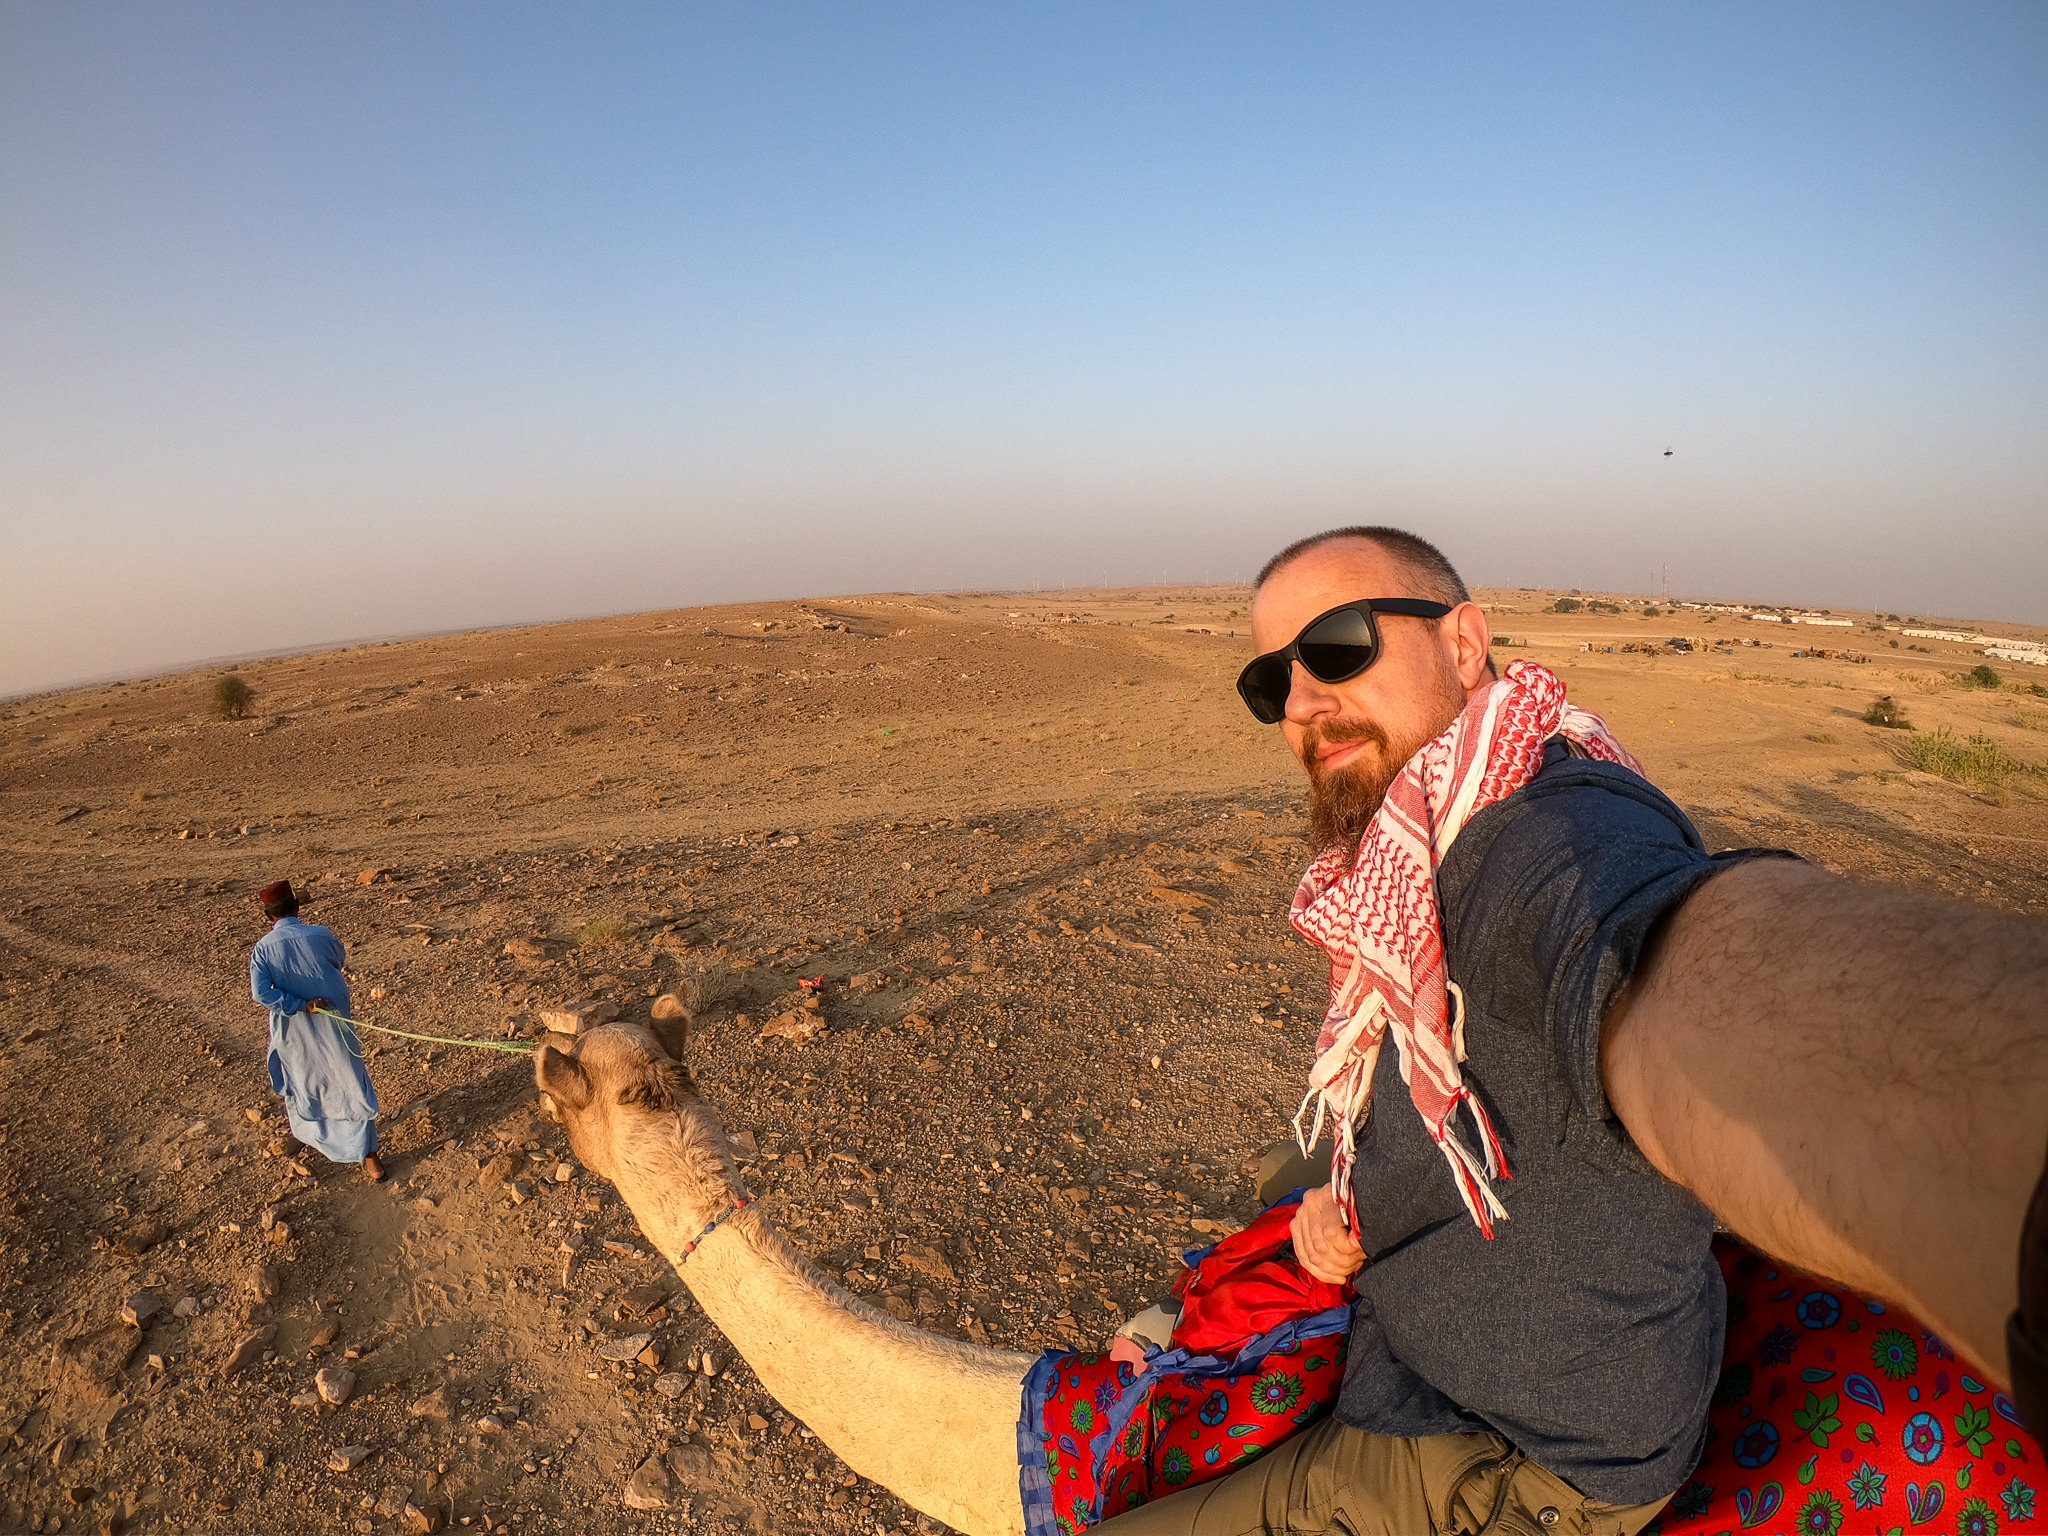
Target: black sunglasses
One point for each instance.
(1332, 648)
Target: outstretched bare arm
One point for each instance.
(1855, 1079)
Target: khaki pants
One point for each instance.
(1332, 1480)
(1344, 1482)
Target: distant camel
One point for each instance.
(856, 1376)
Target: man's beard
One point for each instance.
(1343, 801)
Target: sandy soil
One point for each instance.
(1035, 847)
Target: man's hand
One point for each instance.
(316, 1005)
(1322, 1242)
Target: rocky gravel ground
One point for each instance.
(990, 896)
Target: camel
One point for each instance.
(635, 1117)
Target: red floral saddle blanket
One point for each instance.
(1257, 1355)
(1834, 1415)
(1837, 1415)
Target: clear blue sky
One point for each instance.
(319, 321)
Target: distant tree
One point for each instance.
(1653, 613)
(232, 698)
(1982, 676)
(1566, 605)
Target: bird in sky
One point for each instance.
(1667, 453)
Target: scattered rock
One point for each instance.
(347, 1458)
(139, 1310)
(624, 1348)
(60, 1453)
(92, 1361)
(188, 1306)
(579, 1017)
(310, 1398)
(928, 1262)
(432, 1406)
(650, 1486)
(279, 1234)
(372, 876)
(797, 1024)
(390, 1503)
(744, 1146)
(520, 1191)
(490, 1424)
(756, 1423)
(324, 1335)
(424, 1521)
(564, 1173)
(673, 1385)
(643, 1299)
(141, 1236)
(335, 1383)
(496, 1171)
(265, 1281)
(526, 951)
(650, 1357)
(248, 1348)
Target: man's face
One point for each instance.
(1354, 737)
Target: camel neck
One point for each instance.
(841, 1366)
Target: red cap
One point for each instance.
(272, 894)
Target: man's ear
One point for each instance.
(562, 1078)
(1472, 645)
(671, 1025)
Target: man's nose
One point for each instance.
(1308, 699)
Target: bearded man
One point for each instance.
(1589, 1020)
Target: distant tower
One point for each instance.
(1664, 583)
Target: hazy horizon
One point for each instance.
(324, 324)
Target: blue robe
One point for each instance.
(315, 1062)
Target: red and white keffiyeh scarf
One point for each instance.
(1379, 921)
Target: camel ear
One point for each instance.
(562, 1078)
(671, 1025)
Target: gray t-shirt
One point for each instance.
(1589, 1330)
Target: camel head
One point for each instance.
(628, 1103)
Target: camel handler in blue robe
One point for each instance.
(316, 1062)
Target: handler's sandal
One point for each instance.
(372, 1169)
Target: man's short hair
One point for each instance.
(1436, 577)
(289, 907)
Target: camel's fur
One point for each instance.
(932, 1420)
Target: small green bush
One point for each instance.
(1982, 676)
(1976, 760)
(1887, 712)
(1566, 605)
(1653, 613)
(602, 931)
(232, 698)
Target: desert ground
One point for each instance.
(1035, 848)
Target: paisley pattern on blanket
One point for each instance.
(1835, 1414)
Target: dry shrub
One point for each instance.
(602, 931)
(232, 698)
(1887, 712)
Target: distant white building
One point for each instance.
(2032, 655)
(1767, 618)
(1806, 618)
(1944, 634)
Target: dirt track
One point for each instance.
(1041, 863)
